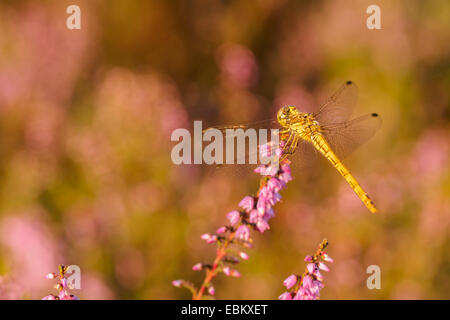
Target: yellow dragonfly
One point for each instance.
(329, 131)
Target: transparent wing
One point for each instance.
(345, 137)
(231, 135)
(339, 107)
(263, 124)
(304, 156)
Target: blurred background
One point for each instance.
(85, 123)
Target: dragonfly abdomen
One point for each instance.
(324, 148)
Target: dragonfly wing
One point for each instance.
(304, 157)
(339, 107)
(263, 124)
(231, 135)
(345, 137)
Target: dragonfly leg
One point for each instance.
(286, 136)
(294, 145)
(290, 149)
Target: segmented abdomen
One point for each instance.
(324, 148)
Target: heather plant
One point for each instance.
(254, 214)
(308, 285)
(62, 285)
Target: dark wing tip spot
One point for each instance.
(349, 82)
(374, 114)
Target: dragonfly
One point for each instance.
(329, 131)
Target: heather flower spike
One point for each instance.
(308, 286)
(62, 285)
(254, 214)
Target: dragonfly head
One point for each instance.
(287, 115)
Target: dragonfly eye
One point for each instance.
(284, 115)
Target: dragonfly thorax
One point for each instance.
(302, 123)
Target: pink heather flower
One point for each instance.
(278, 153)
(231, 272)
(209, 238)
(262, 203)
(266, 199)
(311, 267)
(227, 271)
(221, 230)
(197, 267)
(243, 233)
(212, 240)
(50, 297)
(205, 236)
(285, 177)
(265, 150)
(235, 273)
(276, 197)
(307, 281)
(285, 296)
(262, 225)
(211, 290)
(177, 283)
(323, 266)
(285, 167)
(50, 276)
(247, 203)
(233, 217)
(266, 170)
(303, 294)
(290, 281)
(308, 258)
(269, 213)
(326, 257)
(243, 255)
(259, 169)
(64, 283)
(63, 295)
(318, 275)
(254, 216)
(315, 288)
(275, 184)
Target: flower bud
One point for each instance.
(243, 255)
(197, 267)
(177, 283)
(290, 281)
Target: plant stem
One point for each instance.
(210, 274)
